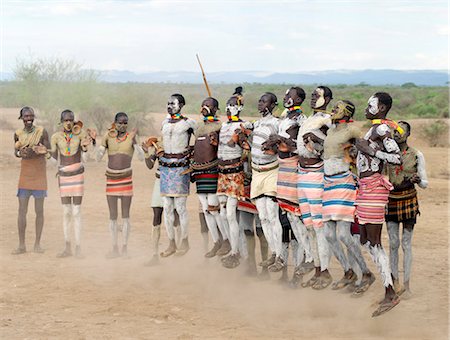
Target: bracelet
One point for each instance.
(17, 153)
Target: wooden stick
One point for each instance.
(204, 76)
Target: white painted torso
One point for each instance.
(176, 135)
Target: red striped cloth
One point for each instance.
(71, 186)
(119, 187)
(244, 204)
(339, 197)
(287, 185)
(371, 200)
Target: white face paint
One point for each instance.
(373, 105)
(173, 105)
(233, 110)
(289, 103)
(320, 95)
(206, 111)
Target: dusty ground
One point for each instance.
(190, 297)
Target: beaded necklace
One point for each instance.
(210, 119)
(121, 139)
(176, 116)
(233, 118)
(296, 108)
(68, 138)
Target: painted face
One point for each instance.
(265, 105)
(317, 98)
(233, 109)
(122, 124)
(28, 119)
(173, 105)
(339, 111)
(208, 108)
(291, 98)
(372, 107)
(68, 122)
(401, 138)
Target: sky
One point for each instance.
(259, 35)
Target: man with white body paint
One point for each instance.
(284, 143)
(173, 165)
(264, 180)
(152, 150)
(230, 187)
(205, 170)
(374, 150)
(403, 206)
(311, 136)
(340, 194)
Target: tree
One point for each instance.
(52, 85)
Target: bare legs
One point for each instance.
(394, 244)
(113, 227)
(22, 224)
(179, 204)
(371, 239)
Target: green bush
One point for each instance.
(436, 133)
(52, 85)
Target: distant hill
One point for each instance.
(370, 77)
(349, 77)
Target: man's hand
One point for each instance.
(415, 179)
(40, 149)
(85, 142)
(144, 147)
(283, 147)
(213, 140)
(363, 146)
(310, 137)
(92, 133)
(26, 152)
(247, 132)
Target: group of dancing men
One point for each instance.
(314, 185)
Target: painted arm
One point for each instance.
(290, 144)
(391, 153)
(100, 153)
(54, 147)
(313, 143)
(139, 152)
(16, 149)
(150, 160)
(421, 170)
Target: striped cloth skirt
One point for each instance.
(245, 204)
(287, 185)
(372, 197)
(339, 196)
(310, 191)
(119, 186)
(206, 180)
(71, 180)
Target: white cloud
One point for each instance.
(442, 30)
(266, 47)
